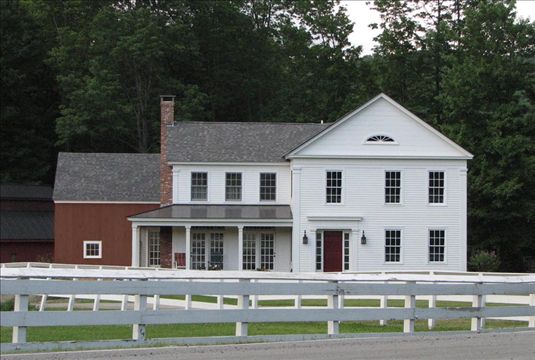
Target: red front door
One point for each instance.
(332, 251)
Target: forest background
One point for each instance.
(85, 76)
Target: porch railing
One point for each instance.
(24, 280)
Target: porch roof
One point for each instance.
(223, 213)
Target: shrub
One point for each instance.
(483, 260)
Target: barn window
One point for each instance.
(92, 249)
(380, 139)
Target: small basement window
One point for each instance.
(380, 139)
(92, 249)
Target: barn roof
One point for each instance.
(107, 177)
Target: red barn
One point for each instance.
(94, 193)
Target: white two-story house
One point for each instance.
(379, 189)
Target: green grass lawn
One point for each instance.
(87, 333)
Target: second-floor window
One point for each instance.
(334, 187)
(233, 186)
(436, 187)
(392, 187)
(199, 186)
(268, 186)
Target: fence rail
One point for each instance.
(24, 280)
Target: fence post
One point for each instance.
(531, 322)
(44, 297)
(243, 304)
(298, 298)
(96, 302)
(19, 332)
(188, 298)
(333, 327)
(138, 330)
(432, 304)
(477, 302)
(254, 298)
(383, 303)
(410, 303)
(221, 299)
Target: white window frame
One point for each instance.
(149, 232)
(341, 188)
(401, 175)
(93, 242)
(319, 241)
(191, 186)
(444, 197)
(260, 187)
(401, 242)
(437, 228)
(366, 142)
(257, 248)
(240, 187)
(346, 251)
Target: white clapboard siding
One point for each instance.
(363, 197)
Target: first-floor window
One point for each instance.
(92, 249)
(437, 245)
(346, 251)
(267, 251)
(319, 251)
(392, 245)
(198, 251)
(249, 251)
(154, 248)
(216, 251)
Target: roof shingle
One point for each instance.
(107, 177)
(236, 141)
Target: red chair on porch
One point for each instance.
(180, 260)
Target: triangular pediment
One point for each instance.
(381, 128)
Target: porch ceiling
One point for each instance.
(230, 213)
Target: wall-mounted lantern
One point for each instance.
(305, 238)
(363, 238)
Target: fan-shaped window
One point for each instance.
(380, 139)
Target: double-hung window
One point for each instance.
(199, 186)
(392, 246)
(268, 186)
(437, 245)
(333, 189)
(233, 186)
(393, 187)
(436, 187)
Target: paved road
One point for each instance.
(490, 346)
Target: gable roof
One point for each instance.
(25, 192)
(236, 141)
(107, 177)
(296, 149)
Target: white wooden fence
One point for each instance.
(24, 280)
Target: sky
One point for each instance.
(362, 15)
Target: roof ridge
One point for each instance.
(252, 122)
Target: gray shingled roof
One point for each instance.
(27, 225)
(107, 177)
(236, 141)
(219, 212)
(25, 192)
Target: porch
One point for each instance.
(214, 237)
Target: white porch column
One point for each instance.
(135, 246)
(188, 247)
(240, 247)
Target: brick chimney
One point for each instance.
(167, 118)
